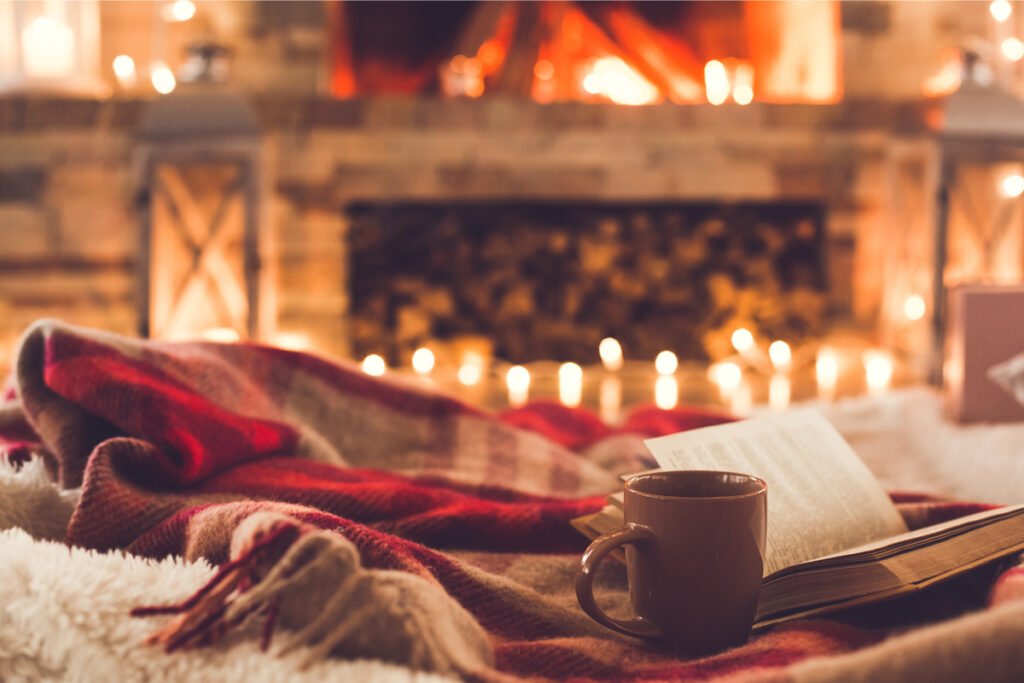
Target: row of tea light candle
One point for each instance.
(727, 375)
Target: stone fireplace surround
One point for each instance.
(69, 231)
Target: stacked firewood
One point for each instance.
(549, 281)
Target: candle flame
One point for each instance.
(878, 369)
(666, 363)
(780, 354)
(611, 353)
(374, 365)
(742, 339)
(727, 375)
(826, 371)
(423, 360)
(570, 384)
(162, 78)
(518, 378)
(1013, 185)
(469, 375)
(1000, 10)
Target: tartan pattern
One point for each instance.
(175, 444)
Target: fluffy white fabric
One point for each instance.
(907, 443)
(64, 612)
(30, 500)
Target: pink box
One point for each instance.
(985, 326)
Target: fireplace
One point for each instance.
(549, 280)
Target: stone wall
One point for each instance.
(69, 229)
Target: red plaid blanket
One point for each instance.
(175, 445)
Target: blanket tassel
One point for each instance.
(311, 583)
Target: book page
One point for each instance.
(821, 497)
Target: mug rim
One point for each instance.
(762, 488)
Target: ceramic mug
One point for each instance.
(694, 544)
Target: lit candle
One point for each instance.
(877, 370)
(740, 399)
(124, 69)
(716, 82)
(728, 376)
(374, 365)
(469, 375)
(570, 384)
(826, 372)
(610, 398)
(162, 78)
(518, 381)
(779, 389)
(742, 340)
(611, 354)
(472, 369)
(294, 341)
(666, 392)
(666, 363)
(780, 355)
(423, 361)
(226, 335)
(48, 48)
(182, 10)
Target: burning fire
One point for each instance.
(612, 78)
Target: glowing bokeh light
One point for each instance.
(716, 82)
(570, 384)
(162, 78)
(727, 375)
(1000, 10)
(518, 378)
(374, 365)
(742, 339)
(611, 353)
(1013, 185)
(469, 374)
(224, 335)
(423, 360)
(124, 69)
(779, 391)
(878, 370)
(826, 370)
(666, 363)
(1012, 49)
(666, 392)
(914, 307)
(780, 354)
(543, 69)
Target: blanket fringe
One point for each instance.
(312, 582)
(202, 620)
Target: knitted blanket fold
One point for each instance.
(362, 516)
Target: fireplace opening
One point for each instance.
(549, 280)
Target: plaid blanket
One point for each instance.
(176, 446)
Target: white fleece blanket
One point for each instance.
(64, 612)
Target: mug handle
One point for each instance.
(638, 627)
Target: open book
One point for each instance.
(835, 539)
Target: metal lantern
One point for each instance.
(50, 46)
(202, 234)
(980, 211)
